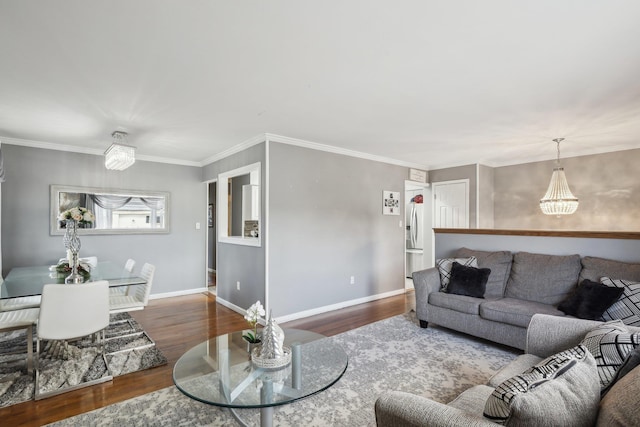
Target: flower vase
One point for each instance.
(72, 244)
(252, 345)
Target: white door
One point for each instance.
(451, 204)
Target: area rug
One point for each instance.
(128, 349)
(392, 354)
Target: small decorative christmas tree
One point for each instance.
(272, 339)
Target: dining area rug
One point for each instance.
(128, 349)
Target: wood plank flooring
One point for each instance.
(177, 324)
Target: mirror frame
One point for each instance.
(54, 198)
(254, 171)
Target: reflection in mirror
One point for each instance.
(239, 206)
(115, 211)
(235, 226)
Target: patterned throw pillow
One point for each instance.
(610, 344)
(444, 267)
(542, 393)
(627, 308)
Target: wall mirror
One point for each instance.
(115, 211)
(239, 206)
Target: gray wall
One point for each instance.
(178, 256)
(485, 196)
(607, 186)
(326, 225)
(626, 250)
(460, 172)
(245, 264)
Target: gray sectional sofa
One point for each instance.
(577, 406)
(520, 285)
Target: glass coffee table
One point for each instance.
(220, 372)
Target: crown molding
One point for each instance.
(235, 149)
(337, 150)
(92, 151)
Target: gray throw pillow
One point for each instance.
(562, 390)
(610, 344)
(627, 308)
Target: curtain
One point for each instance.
(110, 202)
(156, 203)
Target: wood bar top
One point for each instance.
(632, 235)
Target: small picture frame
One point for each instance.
(390, 202)
(211, 217)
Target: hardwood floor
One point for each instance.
(177, 324)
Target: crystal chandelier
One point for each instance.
(119, 156)
(558, 200)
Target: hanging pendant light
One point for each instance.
(558, 200)
(119, 156)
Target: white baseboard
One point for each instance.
(288, 317)
(178, 293)
(332, 307)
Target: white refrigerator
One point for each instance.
(415, 237)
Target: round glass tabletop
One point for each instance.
(220, 371)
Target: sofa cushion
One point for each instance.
(589, 300)
(543, 278)
(460, 303)
(610, 343)
(444, 268)
(620, 406)
(472, 400)
(469, 281)
(513, 368)
(561, 390)
(498, 262)
(627, 308)
(594, 268)
(515, 311)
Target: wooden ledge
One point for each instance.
(544, 233)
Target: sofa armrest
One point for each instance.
(547, 334)
(400, 409)
(425, 282)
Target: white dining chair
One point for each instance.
(129, 265)
(17, 303)
(137, 296)
(68, 312)
(123, 290)
(21, 319)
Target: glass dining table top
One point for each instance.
(29, 281)
(220, 372)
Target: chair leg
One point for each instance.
(37, 362)
(30, 349)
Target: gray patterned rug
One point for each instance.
(393, 354)
(123, 334)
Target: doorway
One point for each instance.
(418, 229)
(212, 237)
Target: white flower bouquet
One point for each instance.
(81, 215)
(253, 315)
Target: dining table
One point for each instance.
(29, 281)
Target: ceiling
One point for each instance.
(434, 83)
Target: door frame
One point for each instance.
(206, 235)
(413, 185)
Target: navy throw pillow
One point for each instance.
(469, 281)
(590, 300)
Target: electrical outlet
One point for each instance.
(353, 280)
(238, 285)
